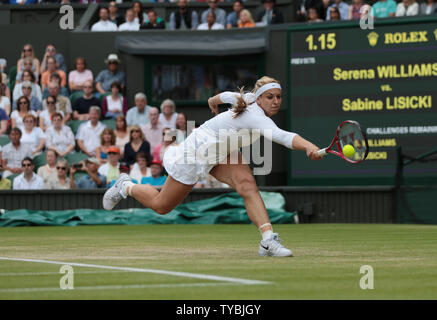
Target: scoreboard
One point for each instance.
(385, 78)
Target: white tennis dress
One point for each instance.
(214, 140)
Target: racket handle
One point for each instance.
(321, 152)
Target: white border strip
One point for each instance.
(170, 273)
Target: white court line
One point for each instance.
(170, 273)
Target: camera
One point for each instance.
(77, 165)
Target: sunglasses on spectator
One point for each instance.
(62, 168)
(24, 165)
(113, 62)
(22, 102)
(27, 49)
(50, 102)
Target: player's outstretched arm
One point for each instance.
(300, 143)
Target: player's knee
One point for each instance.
(246, 186)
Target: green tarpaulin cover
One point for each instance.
(223, 209)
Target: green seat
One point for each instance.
(12, 177)
(75, 157)
(39, 160)
(12, 75)
(4, 140)
(74, 96)
(74, 125)
(110, 123)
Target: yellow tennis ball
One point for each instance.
(348, 151)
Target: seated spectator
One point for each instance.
(5, 184)
(45, 116)
(130, 24)
(32, 135)
(48, 171)
(269, 15)
(13, 153)
(246, 20)
(5, 103)
(92, 180)
(139, 114)
(210, 24)
(136, 144)
(104, 24)
(54, 77)
(27, 62)
(184, 18)
(4, 82)
(232, 18)
(114, 104)
(51, 52)
(140, 15)
(80, 76)
(156, 179)
(407, 8)
(61, 180)
(140, 168)
(62, 103)
(83, 104)
(4, 120)
(428, 7)
(28, 180)
(113, 15)
(334, 14)
(181, 127)
(59, 137)
(154, 22)
(355, 9)
(168, 138)
(23, 109)
(26, 89)
(384, 9)
(153, 130)
(121, 133)
(342, 7)
(88, 134)
(107, 140)
(219, 14)
(106, 77)
(52, 68)
(304, 6)
(168, 114)
(28, 52)
(323, 9)
(28, 76)
(313, 15)
(111, 169)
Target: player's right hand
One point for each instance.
(213, 105)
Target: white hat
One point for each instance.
(112, 57)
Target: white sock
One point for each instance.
(267, 234)
(124, 186)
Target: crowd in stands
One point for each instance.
(66, 129)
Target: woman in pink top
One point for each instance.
(78, 77)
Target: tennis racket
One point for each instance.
(348, 132)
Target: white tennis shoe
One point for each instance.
(272, 247)
(114, 194)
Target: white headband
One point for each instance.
(268, 86)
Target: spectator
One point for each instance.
(13, 153)
(107, 140)
(334, 14)
(139, 114)
(36, 89)
(219, 14)
(51, 68)
(130, 24)
(140, 15)
(104, 24)
(246, 20)
(28, 52)
(4, 120)
(61, 180)
(26, 89)
(60, 61)
(81, 75)
(153, 130)
(62, 103)
(232, 18)
(384, 9)
(106, 77)
(5, 103)
(63, 91)
(343, 9)
(88, 134)
(168, 138)
(114, 104)
(136, 144)
(304, 8)
(407, 8)
(92, 179)
(168, 114)
(323, 11)
(3, 82)
(27, 62)
(313, 15)
(48, 171)
(140, 168)
(184, 18)
(111, 169)
(5, 184)
(59, 137)
(28, 180)
(114, 16)
(121, 133)
(355, 9)
(32, 135)
(270, 15)
(156, 179)
(23, 109)
(45, 117)
(428, 7)
(181, 127)
(154, 22)
(83, 104)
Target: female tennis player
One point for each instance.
(206, 151)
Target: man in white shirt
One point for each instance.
(104, 24)
(139, 114)
(130, 24)
(153, 130)
(28, 180)
(210, 24)
(88, 134)
(111, 169)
